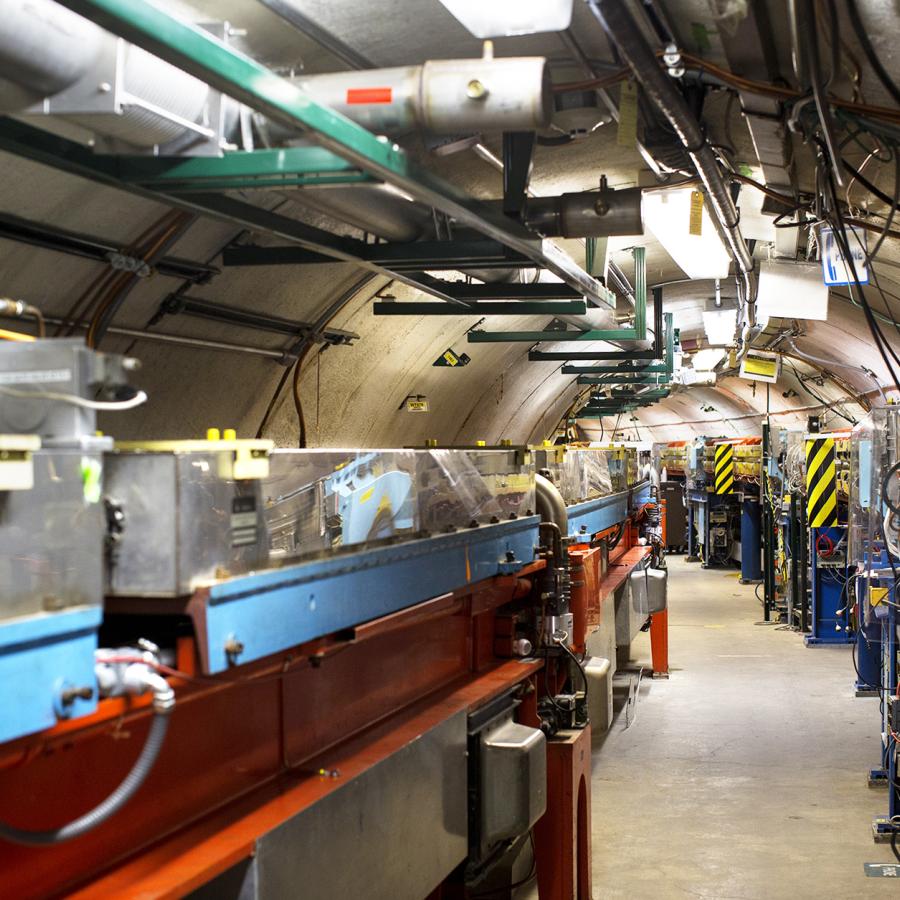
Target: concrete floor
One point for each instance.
(743, 775)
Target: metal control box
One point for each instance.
(507, 777)
(513, 779)
(180, 519)
(29, 372)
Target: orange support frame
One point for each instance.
(562, 837)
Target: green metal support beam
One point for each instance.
(287, 167)
(558, 355)
(621, 379)
(600, 371)
(501, 290)
(205, 57)
(408, 257)
(663, 347)
(637, 331)
(481, 308)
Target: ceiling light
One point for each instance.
(792, 290)
(707, 360)
(719, 326)
(505, 18)
(668, 214)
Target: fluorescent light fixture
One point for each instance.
(720, 325)
(792, 290)
(668, 215)
(506, 18)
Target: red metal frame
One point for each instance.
(562, 837)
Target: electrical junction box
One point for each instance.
(507, 776)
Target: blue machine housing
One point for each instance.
(830, 604)
(41, 657)
(267, 612)
(593, 516)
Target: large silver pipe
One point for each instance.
(56, 63)
(374, 208)
(621, 28)
(587, 214)
(447, 96)
(44, 48)
(551, 506)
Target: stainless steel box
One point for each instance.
(513, 779)
(186, 520)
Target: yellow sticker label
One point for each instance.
(417, 406)
(628, 115)
(877, 594)
(451, 358)
(696, 221)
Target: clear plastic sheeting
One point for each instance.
(52, 536)
(580, 473)
(319, 500)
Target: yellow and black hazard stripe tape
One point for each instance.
(724, 473)
(821, 483)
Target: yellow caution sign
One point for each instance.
(724, 472)
(821, 483)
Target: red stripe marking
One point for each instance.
(369, 95)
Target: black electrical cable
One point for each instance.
(885, 496)
(862, 36)
(578, 663)
(126, 789)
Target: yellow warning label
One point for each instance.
(821, 483)
(724, 471)
(877, 594)
(628, 115)
(417, 406)
(695, 225)
(451, 358)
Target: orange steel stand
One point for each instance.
(659, 643)
(562, 837)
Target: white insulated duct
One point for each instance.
(56, 63)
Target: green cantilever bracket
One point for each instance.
(479, 308)
(632, 373)
(239, 170)
(622, 379)
(637, 332)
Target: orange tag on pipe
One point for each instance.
(369, 95)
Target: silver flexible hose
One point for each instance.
(163, 702)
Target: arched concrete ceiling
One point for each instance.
(354, 395)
